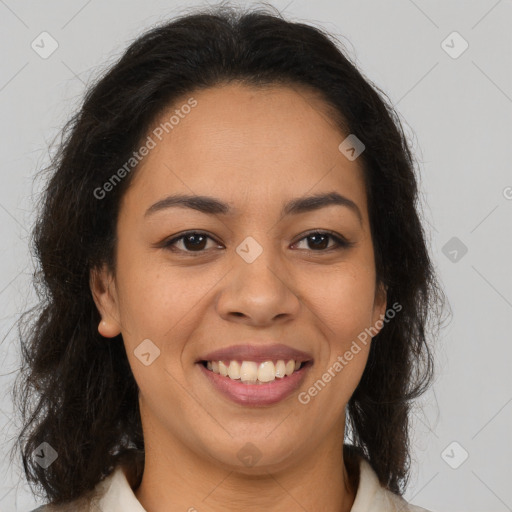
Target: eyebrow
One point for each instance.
(213, 206)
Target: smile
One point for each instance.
(252, 372)
(255, 384)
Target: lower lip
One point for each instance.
(256, 394)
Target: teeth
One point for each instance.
(252, 372)
(280, 369)
(266, 372)
(248, 371)
(223, 369)
(234, 370)
(290, 367)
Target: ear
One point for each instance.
(379, 306)
(103, 288)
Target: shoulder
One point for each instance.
(398, 504)
(103, 497)
(372, 497)
(82, 504)
(75, 506)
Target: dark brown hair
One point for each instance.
(77, 392)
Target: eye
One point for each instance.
(193, 241)
(319, 241)
(196, 241)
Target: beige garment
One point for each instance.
(114, 494)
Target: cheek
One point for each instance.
(148, 300)
(143, 299)
(343, 300)
(161, 303)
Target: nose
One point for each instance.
(258, 293)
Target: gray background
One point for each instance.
(457, 113)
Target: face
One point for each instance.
(258, 270)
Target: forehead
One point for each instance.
(249, 145)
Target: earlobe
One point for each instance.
(109, 328)
(105, 329)
(103, 291)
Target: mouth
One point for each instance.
(253, 383)
(254, 372)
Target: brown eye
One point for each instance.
(190, 242)
(196, 242)
(319, 241)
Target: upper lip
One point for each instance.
(257, 353)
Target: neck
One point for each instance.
(176, 478)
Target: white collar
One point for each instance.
(372, 497)
(118, 496)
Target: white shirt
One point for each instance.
(117, 496)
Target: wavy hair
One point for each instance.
(77, 392)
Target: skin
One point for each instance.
(255, 149)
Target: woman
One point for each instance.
(236, 283)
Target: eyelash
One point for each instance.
(339, 241)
